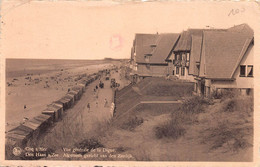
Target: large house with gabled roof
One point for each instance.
(149, 53)
(226, 61)
(214, 59)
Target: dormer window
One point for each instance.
(147, 58)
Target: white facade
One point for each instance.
(243, 83)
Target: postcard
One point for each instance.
(129, 83)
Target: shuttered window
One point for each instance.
(177, 70)
(250, 71)
(183, 71)
(242, 70)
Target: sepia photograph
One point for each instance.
(129, 82)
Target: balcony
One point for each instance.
(183, 63)
(177, 62)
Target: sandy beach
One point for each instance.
(33, 84)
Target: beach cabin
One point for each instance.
(69, 101)
(79, 89)
(82, 86)
(90, 80)
(71, 97)
(29, 130)
(15, 139)
(75, 93)
(46, 120)
(21, 133)
(84, 82)
(52, 112)
(63, 103)
(35, 126)
(58, 108)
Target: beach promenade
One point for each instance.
(80, 122)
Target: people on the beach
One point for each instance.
(25, 119)
(88, 107)
(105, 104)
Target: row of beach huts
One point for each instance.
(24, 133)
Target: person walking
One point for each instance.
(105, 104)
(88, 107)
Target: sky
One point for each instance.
(95, 30)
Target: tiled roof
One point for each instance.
(157, 46)
(142, 45)
(242, 28)
(164, 46)
(221, 52)
(184, 42)
(195, 54)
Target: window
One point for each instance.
(173, 56)
(183, 56)
(172, 72)
(250, 71)
(178, 57)
(147, 59)
(177, 70)
(183, 71)
(188, 57)
(148, 66)
(242, 70)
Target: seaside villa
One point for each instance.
(213, 59)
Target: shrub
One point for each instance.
(133, 122)
(184, 115)
(241, 105)
(234, 128)
(223, 135)
(174, 127)
(194, 105)
(90, 144)
(225, 93)
(169, 130)
(229, 106)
